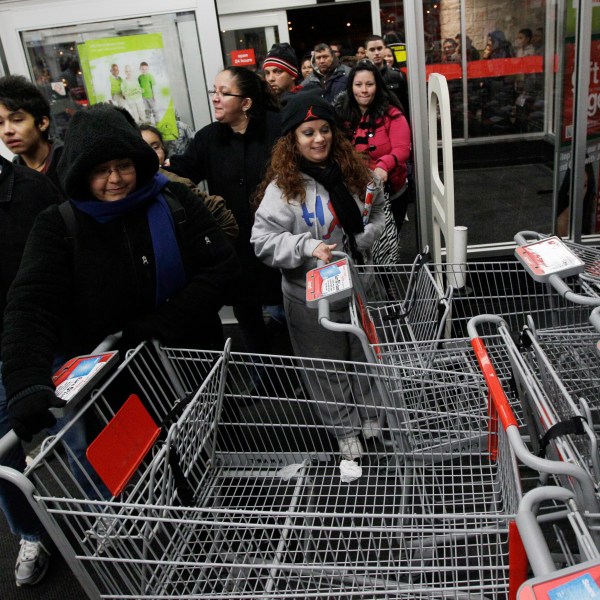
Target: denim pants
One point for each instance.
(19, 514)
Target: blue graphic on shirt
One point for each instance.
(319, 215)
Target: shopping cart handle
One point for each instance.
(526, 237)
(533, 539)
(108, 343)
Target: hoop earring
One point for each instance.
(245, 114)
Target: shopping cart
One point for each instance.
(573, 270)
(242, 494)
(414, 310)
(562, 442)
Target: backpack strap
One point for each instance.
(177, 210)
(68, 215)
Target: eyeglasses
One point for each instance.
(124, 168)
(221, 94)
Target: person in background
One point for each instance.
(450, 51)
(523, 44)
(390, 58)
(222, 215)
(497, 46)
(394, 79)
(361, 53)
(327, 77)
(472, 52)
(23, 195)
(280, 69)
(310, 203)
(371, 117)
(232, 154)
(338, 50)
(24, 126)
(306, 66)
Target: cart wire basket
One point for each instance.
(242, 493)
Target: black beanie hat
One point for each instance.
(96, 136)
(284, 57)
(302, 107)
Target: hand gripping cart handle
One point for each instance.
(75, 379)
(335, 281)
(548, 259)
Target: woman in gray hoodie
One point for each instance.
(311, 203)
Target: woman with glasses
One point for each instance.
(372, 119)
(231, 154)
(131, 252)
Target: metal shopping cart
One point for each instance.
(241, 494)
(414, 310)
(563, 443)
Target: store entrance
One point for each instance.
(348, 24)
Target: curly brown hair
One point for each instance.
(285, 167)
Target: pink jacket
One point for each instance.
(388, 147)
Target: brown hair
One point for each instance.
(285, 167)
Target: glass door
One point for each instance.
(246, 38)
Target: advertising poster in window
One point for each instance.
(131, 72)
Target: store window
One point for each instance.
(133, 63)
(492, 54)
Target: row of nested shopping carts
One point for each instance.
(212, 475)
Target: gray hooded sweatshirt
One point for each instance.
(285, 234)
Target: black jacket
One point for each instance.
(233, 165)
(330, 85)
(395, 80)
(24, 193)
(70, 294)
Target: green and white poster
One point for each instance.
(131, 72)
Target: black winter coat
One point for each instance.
(70, 294)
(233, 165)
(23, 194)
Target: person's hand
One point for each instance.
(381, 173)
(324, 252)
(29, 414)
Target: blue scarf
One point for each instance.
(170, 273)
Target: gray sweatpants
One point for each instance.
(344, 399)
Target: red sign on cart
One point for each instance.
(121, 446)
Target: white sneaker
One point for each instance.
(371, 428)
(32, 563)
(350, 448)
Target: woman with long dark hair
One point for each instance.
(231, 154)
(311, 203)
(372, 119)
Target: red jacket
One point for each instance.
(388, 147)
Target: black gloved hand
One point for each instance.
(29, 411)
